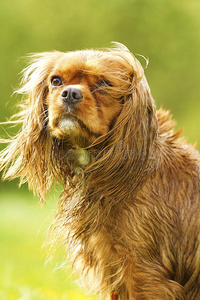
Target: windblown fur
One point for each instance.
(129, 212)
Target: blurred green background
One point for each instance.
(165, 31)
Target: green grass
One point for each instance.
(24, 274)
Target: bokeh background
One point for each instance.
(165, 31)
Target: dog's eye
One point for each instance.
(56, 81)
(103, 86)
(104, 83)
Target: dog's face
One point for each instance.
(85, 94)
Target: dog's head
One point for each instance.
(78, 100)
(81, 93)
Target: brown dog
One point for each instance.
(130, 207)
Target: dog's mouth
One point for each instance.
(71, 126)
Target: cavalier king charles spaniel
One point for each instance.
(129, 213)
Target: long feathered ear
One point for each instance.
(129, 154)
(28, 154)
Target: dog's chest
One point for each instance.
(99, 262)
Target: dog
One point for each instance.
(129, 213)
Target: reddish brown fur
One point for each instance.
(129, 211)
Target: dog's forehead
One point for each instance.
(88, 60)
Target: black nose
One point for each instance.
(71, 95)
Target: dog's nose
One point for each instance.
(71, 95)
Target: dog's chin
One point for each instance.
(69, 128)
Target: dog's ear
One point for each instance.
(28, 154)
(129, 155)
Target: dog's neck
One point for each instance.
(81, 157)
